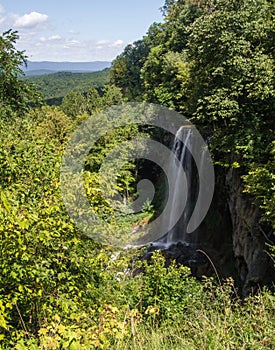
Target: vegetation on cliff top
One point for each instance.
(214, 62)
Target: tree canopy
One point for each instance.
(214, 62)
(15, 94)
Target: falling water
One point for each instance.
(180, 149)
(185, 144)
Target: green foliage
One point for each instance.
(57, 85)
(214, 62)
(125, 71)
(260, 182)
(15, 94)
(165, 292)
(41, 249)
(232, 74)
(165, 76)
(49, 272)
(233, 328)
(112, 191)
(112, 95)
(60, 290)
(158, 309)
(94, 103)
(232, 93)
(76, 103)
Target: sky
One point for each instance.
(79, 31)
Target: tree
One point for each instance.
(165, 76)
(15, 94)
(112, 95)
(74, 104)
(260, 181)
(165, 73)
(125, 72)
(214, 61)
(232, 77)
(93, 100)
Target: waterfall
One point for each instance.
(184, 147)
(180, 149)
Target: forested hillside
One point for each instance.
(39, 68)
(55, 86)
(212, 61)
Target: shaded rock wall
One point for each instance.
(232, 237)
(230, 241)
(253, 263)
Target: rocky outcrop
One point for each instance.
(230, 242)
(233, 238)
(253, 264)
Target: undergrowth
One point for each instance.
(160, 308)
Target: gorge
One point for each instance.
(230, 240)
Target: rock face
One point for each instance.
(253, 264)
(233, 238)
(230, 241)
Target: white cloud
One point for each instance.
(73, 32)
(55, 37)
(2, 10)
(30, 20)
(55, 47)
(118, 43)
(50, 46)
(70, 43)
(108, 43)
(102, 42)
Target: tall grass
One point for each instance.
(224, 326)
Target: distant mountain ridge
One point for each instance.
(48, 67)
(57, 85)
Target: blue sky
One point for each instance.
(84, 30)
